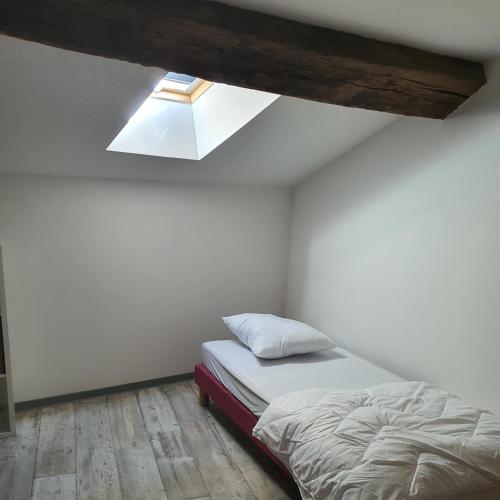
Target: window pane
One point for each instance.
(178, 77)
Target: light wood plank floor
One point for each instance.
(151, 444)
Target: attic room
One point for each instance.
(249, 250)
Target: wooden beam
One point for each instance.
(227, 44)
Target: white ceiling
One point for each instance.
(466, 28)
(60, 110)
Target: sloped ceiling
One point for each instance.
(60, 110)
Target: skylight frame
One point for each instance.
(174, 87)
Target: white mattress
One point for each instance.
(257, 382)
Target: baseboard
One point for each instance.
(24, 405)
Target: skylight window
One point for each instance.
(171, 125)
(179, 87)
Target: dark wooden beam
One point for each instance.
(239, 47)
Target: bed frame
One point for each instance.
(210, 388)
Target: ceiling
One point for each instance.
(464, 28)
(60, 110)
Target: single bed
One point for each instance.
(392, 438)
(242, 385)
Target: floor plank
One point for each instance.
(18, 455)
(184, 402)
(222, 477)
(178, 469)
(97, 474)
(56, 445)
(159, 417)
(126, 421)
(55, 488)
(139, 475)
(263, 477)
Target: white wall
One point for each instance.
(395, 249)
(110, 282)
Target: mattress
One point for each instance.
(257, 382)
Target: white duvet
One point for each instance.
(396, 441)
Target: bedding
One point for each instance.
(397, 441)
(256, 382)
(271, 337)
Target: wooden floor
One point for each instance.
(151, 444)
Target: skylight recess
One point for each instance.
(179, 87)
(171, 125)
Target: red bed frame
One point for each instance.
(211, 388)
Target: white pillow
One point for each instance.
(271, 337)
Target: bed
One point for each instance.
(243, 386)
(344, 428)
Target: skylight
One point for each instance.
(179, 87)
(174, 123)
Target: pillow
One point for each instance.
(272, 337)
